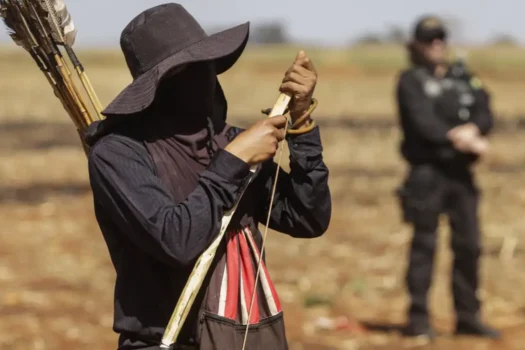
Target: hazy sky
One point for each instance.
(330, 22)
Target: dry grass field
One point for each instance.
(56, 279)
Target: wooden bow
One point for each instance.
(286, 99)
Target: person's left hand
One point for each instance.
(299, 81)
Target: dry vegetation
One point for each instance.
(56, 278)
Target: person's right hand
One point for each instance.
(480, 146)
(466, 138)
(463, 136)
(259, 143)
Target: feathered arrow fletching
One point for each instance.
(44, 28)
(13, 25)
(58, 16)
(65, 22)
(54, 12)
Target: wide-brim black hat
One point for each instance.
(165, 37)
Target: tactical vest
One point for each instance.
(453, 95)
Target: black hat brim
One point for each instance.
(224, 48)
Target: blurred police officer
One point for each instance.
(445, 116)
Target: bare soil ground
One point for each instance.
(56, 278)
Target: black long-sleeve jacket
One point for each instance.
(425, 121)
(154, 241)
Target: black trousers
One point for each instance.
(431, 191)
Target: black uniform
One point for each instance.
(440, 180)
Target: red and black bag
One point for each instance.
(224, 314)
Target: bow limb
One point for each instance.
(278, 109)
(202, 266)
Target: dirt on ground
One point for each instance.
(344, 290)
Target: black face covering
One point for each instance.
(189, 93)
(181, 136)
(189, 106)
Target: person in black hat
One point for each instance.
(165, 166)
(445, 116)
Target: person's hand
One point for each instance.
(480, 146)
(464, 137)
(299, 81)
(259, 143)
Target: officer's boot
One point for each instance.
(418, 323)
(475, 327)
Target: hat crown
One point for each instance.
(156, 34)
(430, 22)
(429, 26)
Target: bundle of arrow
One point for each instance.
(44, 29)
